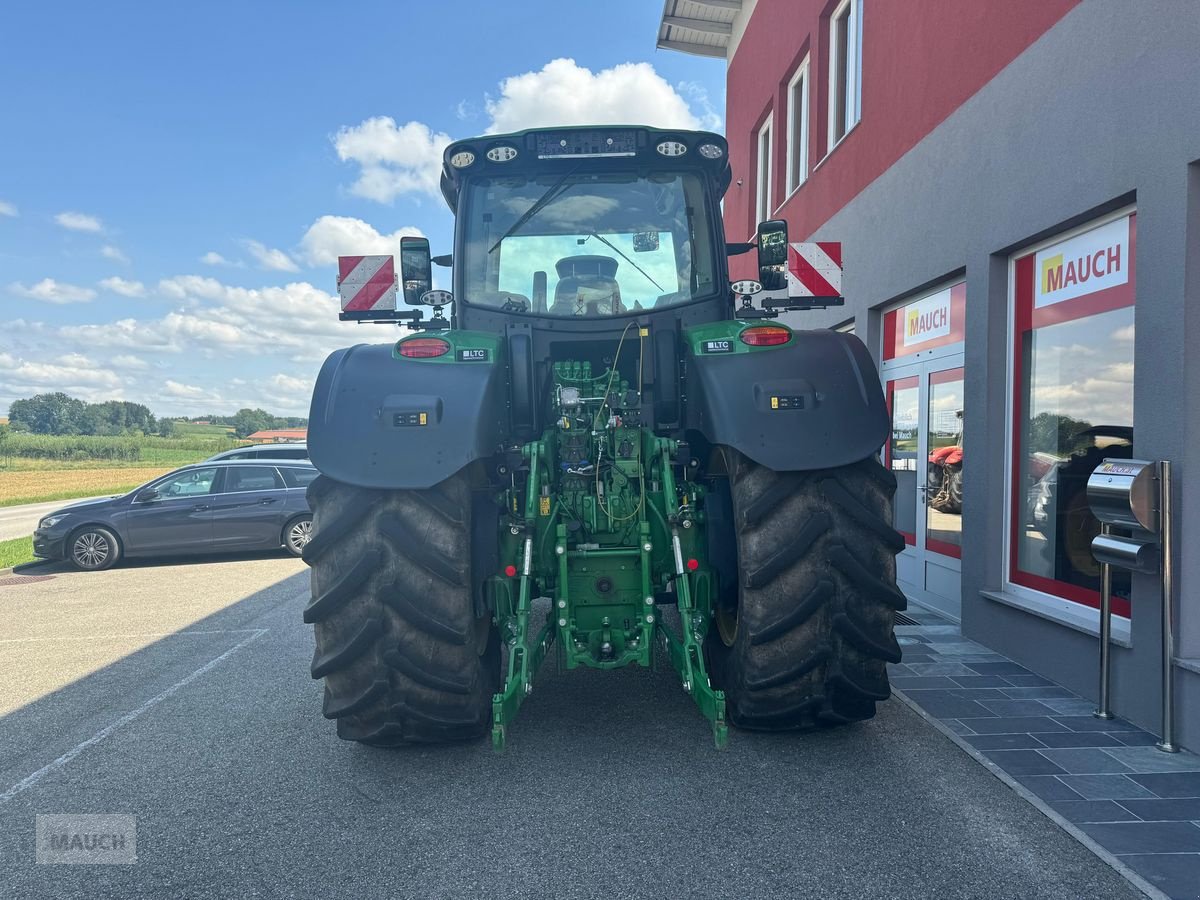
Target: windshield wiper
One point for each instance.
(552, 193)
(609, 243)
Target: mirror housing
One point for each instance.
(645, 241)
(145, 496)
(773, 254)
(416, 269)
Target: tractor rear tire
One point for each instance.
(407, 654)
(814, 623)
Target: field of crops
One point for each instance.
(37, 467)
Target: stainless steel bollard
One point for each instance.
(1102, 710)
(1167, 744)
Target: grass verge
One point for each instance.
(16, 552)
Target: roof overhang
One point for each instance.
(699, 27)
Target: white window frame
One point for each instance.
(1048, 606)
(797, 151)
(853, 10)
(765, 154)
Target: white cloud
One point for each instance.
(77, 221)
(213, 258)
(73, 373)
(1124, 334)
(126, 361)
(333, 236)
(51, 291)
(394, 159)
(108, 251)
(124, 287)
(7, 209)
(406, 159)
(564, 93)
(270, 258)
(185, 391)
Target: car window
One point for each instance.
(239, 455)
(297, 477)
(294, 453)
(251, 478)
(191, 483)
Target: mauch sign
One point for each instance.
(927, 319)
(1089, 262)
(935, 320)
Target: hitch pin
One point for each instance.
(678, 548)
(527, 564)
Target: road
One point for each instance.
(180, 694)
(20, 521)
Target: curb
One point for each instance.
(1025, 794)
(37, 563)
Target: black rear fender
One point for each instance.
(813, 403)
(380, 421)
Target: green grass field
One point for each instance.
(16, 552)
(186, 429)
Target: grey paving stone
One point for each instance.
(1136, 738)
(1163, 810)
(977, 693)
(1029, 681)
(944, 705)
(1107, 787)
(1000, 668)
(1146, 837)
(908, 683)
(1175, 874)
(909, 640)
(957, 726)
(1018, 708)
(963, 649)
(936, 636)
(1007, 725)
(1023, 762)
(1171, 785)
(1091, 723)
(939, 668)
(1048, 787)
(981, 681)
(1040, 693)
(901, 669)
(1095, 810)
(1084, 760)
(1151, 759)
(1079, 739)
(1004, 742)
(1071, 706)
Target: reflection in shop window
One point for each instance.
(1075, 408)
(944, 478)
(904, 401)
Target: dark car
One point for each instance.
(209, 507)
(290, 450)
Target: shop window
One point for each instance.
(1073, 402)
(762, 200)
(797, 133)
(845, 69)
(900, 452)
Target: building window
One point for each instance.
(797, 128)
(845, 69)
(1072, 404)
(762, 199)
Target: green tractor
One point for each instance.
(605, 450)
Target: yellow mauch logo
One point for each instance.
(1051, 273)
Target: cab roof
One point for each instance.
(587, 148)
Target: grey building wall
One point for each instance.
(1102, 111)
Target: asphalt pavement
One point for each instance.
(180, 694)
(20, 521)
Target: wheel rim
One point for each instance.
(727, 623)
(300, 534)
(91, 549)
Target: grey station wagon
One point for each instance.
(209, 507)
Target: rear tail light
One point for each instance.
(766, 335)
(423, 348)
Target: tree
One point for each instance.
(55, 413)
(1058, 435)
(166, 428)
(247, 421)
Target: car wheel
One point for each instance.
(94, 548)
(297, 535)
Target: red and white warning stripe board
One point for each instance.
(815, 269)
(367, 283)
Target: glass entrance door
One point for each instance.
(925, 453)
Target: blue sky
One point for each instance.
(175, 180)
